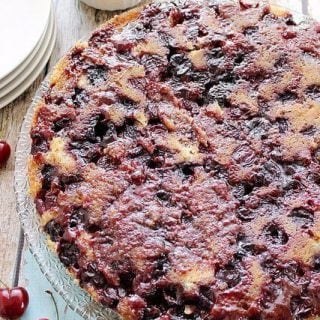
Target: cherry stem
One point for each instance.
(54, 302)
(7, 287)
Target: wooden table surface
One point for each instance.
(74, 21)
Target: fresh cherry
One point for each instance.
(5, 151)
(13, 302)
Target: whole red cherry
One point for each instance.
(5, 151)
(13, 302)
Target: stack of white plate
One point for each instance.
(27, 37)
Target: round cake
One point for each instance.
(175, 162)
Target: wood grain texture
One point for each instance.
(74, 21)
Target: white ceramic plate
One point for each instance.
(22, 23)
(35, 70)
(24, 73)
(21, 68)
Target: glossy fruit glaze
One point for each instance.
(176, 165)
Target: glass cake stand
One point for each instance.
(56, 273)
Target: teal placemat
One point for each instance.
(41, 304)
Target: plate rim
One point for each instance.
(28, 70)
(27, 82)
(21, 60)
(26, 63)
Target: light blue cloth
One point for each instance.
(41, 304)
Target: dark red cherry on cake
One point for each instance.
(5, 151)
(13, 302)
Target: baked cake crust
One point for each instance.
(175, 162)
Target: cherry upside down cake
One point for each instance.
(175, 162)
